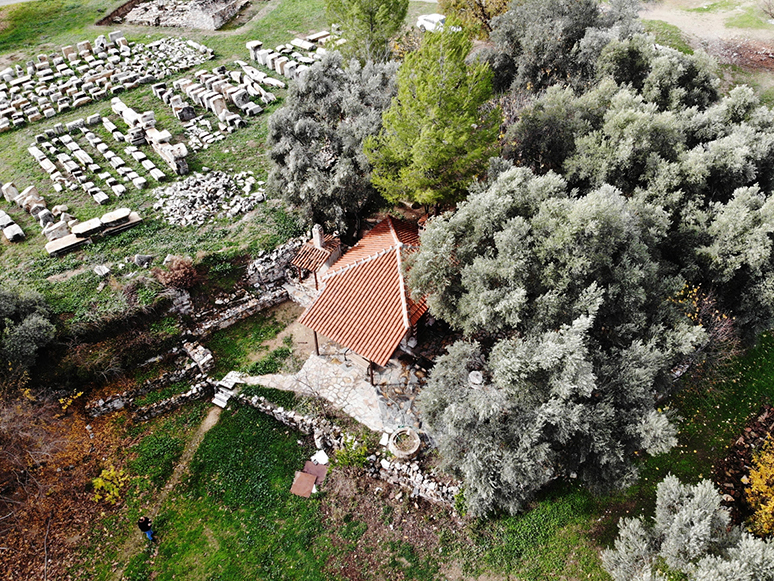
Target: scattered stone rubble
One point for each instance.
(272, 268)
(200, 198)
(202, 14)
(200, 355)
(55, 83)
(329, 436)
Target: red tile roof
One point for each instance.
(311, 258)
(365, 305)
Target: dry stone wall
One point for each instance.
(201, 390)
(272, 268)
(188, 371)
(331, 438)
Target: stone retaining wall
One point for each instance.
(331, 437)
(237, 310)
(125, 399)
(118, 13)
(201, 390)
(273, 267)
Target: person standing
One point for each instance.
(146, 525)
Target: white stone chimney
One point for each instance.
(317, 236)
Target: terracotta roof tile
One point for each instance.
(311, 258)
(386, 235)
(365, 305)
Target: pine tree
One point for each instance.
(436, 136)
(367, 25)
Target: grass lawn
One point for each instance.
(668, 35)
(234, 517)
(236, 347)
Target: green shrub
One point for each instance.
(353, 454)
(108, 485)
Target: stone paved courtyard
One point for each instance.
(383, 407)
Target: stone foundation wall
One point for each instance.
(274, 267)
(118, 14)
(201, 14)
(236, 310)
(125, 399)
(331, 438)
(201, 390)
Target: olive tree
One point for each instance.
(317, 138)
(690, 537)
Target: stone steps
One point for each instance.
(221, 397)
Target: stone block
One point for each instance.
(87, 228)
(13, 233)
(10, 192)
(36, 210)
(65, 244)
(45, 217)
(116, 217)
(5, 220)
(56, 230)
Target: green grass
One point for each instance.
(161, 394)
(404, 559)
(47, 21)
(232, 347)
(286, 399)
(667, 35)
(237, 502)
(272, 363)
(556, 538)
(721, 6)
(750, 17)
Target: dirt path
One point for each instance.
(706, 26)
(136, 542)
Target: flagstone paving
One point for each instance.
(383, 407)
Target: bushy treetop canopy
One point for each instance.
(317, 139)
(539, 43)
(573, 290)
(25, 327)
(367, 25)
(436, 136)
(567, 296)
(690, 538)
